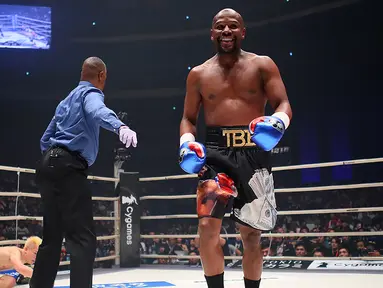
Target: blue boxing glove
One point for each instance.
(267, 131)
(192, 155)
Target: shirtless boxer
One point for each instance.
(12, 260)
(235, 166)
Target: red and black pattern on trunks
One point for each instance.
(213, 195)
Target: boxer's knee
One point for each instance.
(7, 282)
(251, 239)
(209, 229)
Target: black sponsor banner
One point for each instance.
(286, 264)
(277, 264)
(130, 214)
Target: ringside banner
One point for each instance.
(346, 265)
(130, 220)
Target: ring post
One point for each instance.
(130, 220)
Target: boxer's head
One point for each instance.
(31, 247)
(227, 32)
(94, 71)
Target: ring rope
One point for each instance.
(267, 235)
(281, 190)
(280, 168)
(96, 259)
(19, 242)
(296, 212)
(264, 258)
(36, 195)
(273, 235)
(33, 171)
(40, 218)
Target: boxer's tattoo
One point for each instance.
(211, 96)
(252, 91)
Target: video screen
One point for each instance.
(25, 27)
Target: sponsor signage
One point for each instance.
(130, 214)
(346, 265)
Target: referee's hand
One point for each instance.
(128, 136)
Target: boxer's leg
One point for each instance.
(7, 281)
(254, 210)
(252, 261)
(209, 246)
(212, 199)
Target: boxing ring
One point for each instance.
(323, 271)
(24, 32)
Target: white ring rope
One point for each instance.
(192, 176)
(280, 168)
(282, 190)
(33, 171)
(270, 258)
(40, 218)
(296, 212)
(36, 195)
(273, 235)
(19, 242)
(96, 259)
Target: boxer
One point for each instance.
(13, 260)
(234, 164)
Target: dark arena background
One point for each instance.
(330, 57)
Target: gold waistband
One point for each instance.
(237, 138)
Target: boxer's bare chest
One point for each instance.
(5, 258)
(236, 93)
(5, 262)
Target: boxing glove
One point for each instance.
(267, 131)
(192, 156)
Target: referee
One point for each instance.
(69, 146)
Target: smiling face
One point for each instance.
(228, 31)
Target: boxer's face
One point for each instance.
(30, 254)
(227, 32)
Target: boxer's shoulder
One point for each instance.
(199, 69)
(264, 61)
(256, 58)
(197, 73)
(7, 252)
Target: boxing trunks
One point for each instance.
(12, 273)
(237, 176)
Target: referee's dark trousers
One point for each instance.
(61, 177)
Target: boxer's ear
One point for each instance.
(243, 33)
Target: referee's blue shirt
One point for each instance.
(77, 121)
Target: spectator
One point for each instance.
(344, 252)
(300, 250)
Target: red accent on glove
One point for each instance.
(255, 122)
(197, 149)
